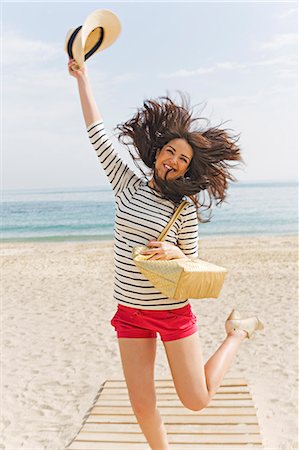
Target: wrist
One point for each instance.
(82, 79)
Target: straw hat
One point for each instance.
(99, 31)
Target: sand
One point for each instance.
(59, 346)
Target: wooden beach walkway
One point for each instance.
(228, 423)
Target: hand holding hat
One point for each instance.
(100, 29)
(76, 71)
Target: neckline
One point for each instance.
(159, 193)
(153, 189)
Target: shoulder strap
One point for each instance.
(176, 214)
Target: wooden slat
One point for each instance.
(171, 389)
(176, 419)
(231, 381)
(77, 445)
(173, 395)
(175, 428)
(228, 423)
(175, 403)
(173, 438)
(209, 411)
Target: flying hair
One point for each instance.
(215, 150)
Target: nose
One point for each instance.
(173, 161)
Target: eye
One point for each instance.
(172, 152)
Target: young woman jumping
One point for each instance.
(184, 160)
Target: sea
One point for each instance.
(87, 214)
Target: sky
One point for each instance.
(236, 60)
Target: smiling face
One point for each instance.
(173, 159)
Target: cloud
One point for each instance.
(183, 73)
(35, 73)
(231, 65)
(275, 43)
(39, 80)
(31, 66)
(289, 62)
(279, 61)
(275, 93)
(279, 41)
(287, 13)
(21, 50)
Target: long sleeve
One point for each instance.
(118, 172)
(188, 232)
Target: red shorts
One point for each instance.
(171, 324)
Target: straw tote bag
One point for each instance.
(180, 278)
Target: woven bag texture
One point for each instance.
(181, 278)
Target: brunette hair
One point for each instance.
(158, 122)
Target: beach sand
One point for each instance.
(59, 346)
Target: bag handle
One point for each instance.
(164, 232)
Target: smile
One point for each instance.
(168, 167)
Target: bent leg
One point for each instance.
(187, 368)
(219, 363)
(196, 382)
(138, 358)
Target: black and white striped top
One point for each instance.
(140, 215)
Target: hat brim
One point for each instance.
(100, 29)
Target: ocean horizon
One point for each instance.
(87, 214)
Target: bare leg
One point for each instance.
(219, 363)
(196, 382)
(138, 357)
(153, 429)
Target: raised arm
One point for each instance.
(117, 171)
(90, 110)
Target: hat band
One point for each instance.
(71, 40)
(92, 50)
(96, 46)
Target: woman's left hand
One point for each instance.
(163, 250)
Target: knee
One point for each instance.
(196, 403)
(143, 407)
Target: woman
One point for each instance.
(184, 162)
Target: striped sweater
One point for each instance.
(141, 213)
